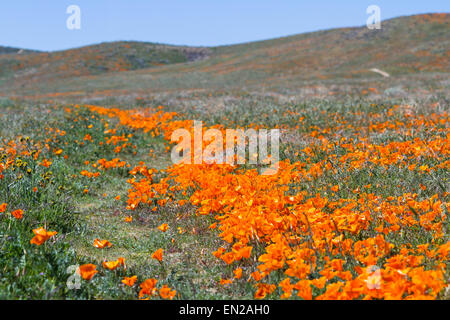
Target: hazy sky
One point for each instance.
(41, 24)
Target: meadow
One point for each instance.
(92, 207)
(358, 209)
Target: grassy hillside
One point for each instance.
(15, 51)
(95, 59)
(406, 45)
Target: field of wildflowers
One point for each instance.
(92, 208)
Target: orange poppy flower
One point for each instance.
(3, 207)
(260, 294)
(158, 255)
(320, 282)
(213, 226)
(87, 271)
(129, 281)
(102, 243)
(112, 265)
(238, 273)
(166, 293)
(218, 252)
(245, 252)
(148, 287)
(225, 281)
(287, 288)
(163, 227)
(41, 235)
(18, 214)
(303, 288)
(46, 163)
(228, 257)
(129, 219)
(263, 290)
(256, 275)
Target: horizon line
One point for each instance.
(214, 46)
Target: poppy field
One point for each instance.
(93, 208)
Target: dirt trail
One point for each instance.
(384, 74)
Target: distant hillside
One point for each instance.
(405, 45)
(11, 50)
(96, 59)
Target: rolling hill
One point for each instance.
(95, 59)
(405, 45)
(15, 51)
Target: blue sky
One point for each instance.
(41, 24)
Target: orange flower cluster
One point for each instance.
(298, 232)
(11, 151)
(114, 163)
(326, 247)
(148, 288)
(153, 121)
(88, 174)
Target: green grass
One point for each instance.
(260, 83)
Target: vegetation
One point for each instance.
(404, 46)
(91, 206)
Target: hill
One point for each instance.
(18, 51)
(95, 59)
(405, 45)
